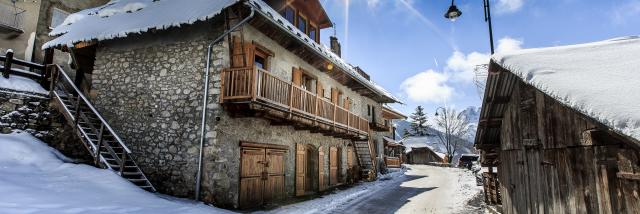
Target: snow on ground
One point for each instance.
(599, 79)
(18, 83)
(421, 189)
(35, 178)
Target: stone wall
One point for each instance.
(149, 88)
(31, 113)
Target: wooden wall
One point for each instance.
(555, 160)
(422, 156)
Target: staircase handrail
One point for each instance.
(68, 80)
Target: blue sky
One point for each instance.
(408, 47)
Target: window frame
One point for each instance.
(306, 22)
(294, 14)
(264, 53)
(317, 32)
(53, 11)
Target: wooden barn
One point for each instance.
(562, 127)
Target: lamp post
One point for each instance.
(453, 13)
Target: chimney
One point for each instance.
(335, 45)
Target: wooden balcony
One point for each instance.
(260, 93)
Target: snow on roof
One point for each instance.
(599, 79)
(119, 18)
(275, 17)
(428, 142)
(24, 84)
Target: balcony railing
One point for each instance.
(11, 17)
(255, 84)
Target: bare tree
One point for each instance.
(453, 127)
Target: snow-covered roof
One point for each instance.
(424, 142)
(599, 79)
(275, 17)
(119, 18)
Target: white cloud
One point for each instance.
(435, 86)
(625, 11)
(428, 86)
(373, 3)
(463, 66)
(508, 6)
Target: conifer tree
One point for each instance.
(419, 125)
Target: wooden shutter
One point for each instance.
(333, 166)
(300, 168)
(319, 89)
(321, 184)
(296, 76)
(242, 55)
(334, 95)
(347, 103)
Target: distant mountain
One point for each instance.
(471, 112)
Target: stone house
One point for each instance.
(283, 115)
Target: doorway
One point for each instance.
(307, 169)
(261, 174)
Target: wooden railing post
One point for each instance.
(7, 64)
(290, 98)
(122, 161)
(254, 83)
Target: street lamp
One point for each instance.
(453, 13)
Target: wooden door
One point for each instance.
(301, 156)
(333, 166)
(274, 185)
(261, 176)
(251, 181)
(321, 184)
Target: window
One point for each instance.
(368, 110)
(313, 31)
(57, 17)
(308, 82)
(302, 23)
(261, 57)
(289, 14)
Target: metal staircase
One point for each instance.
(107, 149)
(366, 158)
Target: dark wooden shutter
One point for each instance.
(334, 95)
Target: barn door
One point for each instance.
(321, 184)
(274, 185)
(333, 166)
(301, 156)
(261, 176)
(251, 183)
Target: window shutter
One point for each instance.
(347, 103)
(319, 89)
(334, 95)
(297, 76)
(240, 54)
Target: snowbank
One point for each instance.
(18, 83)
(599, 79)
(35, 178)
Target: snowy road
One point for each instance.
(423, 189)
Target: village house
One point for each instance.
(423, 150)
(562, 127)
(389, 152)
(234, 103)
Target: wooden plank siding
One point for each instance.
(553, 159)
